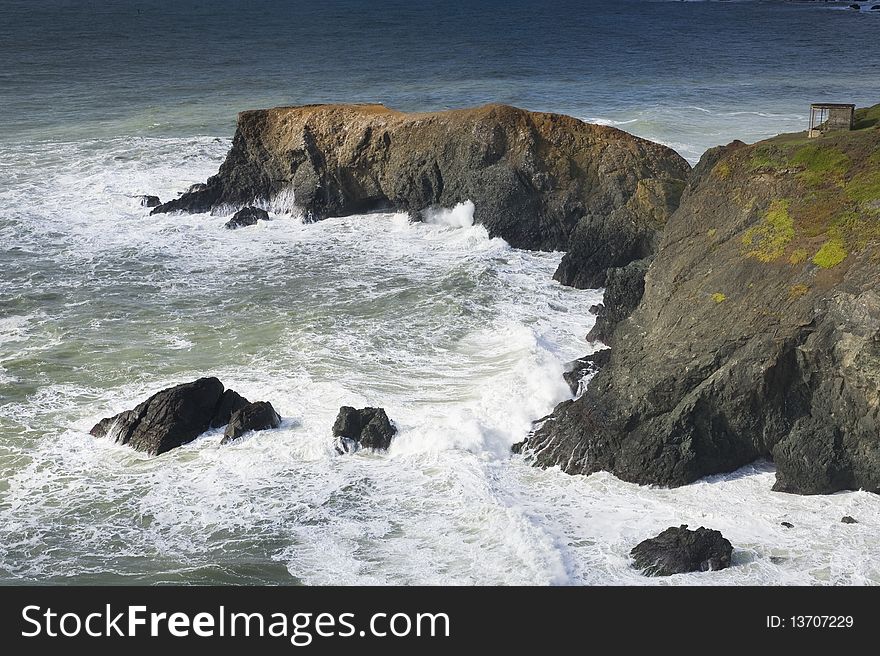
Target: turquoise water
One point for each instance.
(460, 337)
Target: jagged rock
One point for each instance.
(150, 201)
(369, 428)
(247, 216)
(252, 417)
(624, 287)
(540, 181)
(166, 420)
(787, 524)
(846, 519)
(229, 404)
(679, 550)
(198, 186)
(577, 370)
(758, 333)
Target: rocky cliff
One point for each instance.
(540, 181)
(758, 334)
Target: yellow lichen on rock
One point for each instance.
(767, 241)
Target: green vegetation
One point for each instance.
(821, 164)
(767, 241)
(858, 229)
(799, 256)
(831, 186)
(766, 158)
(831, 253)
(723, 170)
(867, 118)
(865, 186)
(718, 297)
(711, 232)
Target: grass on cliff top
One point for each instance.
(820, 164)
(832, 184)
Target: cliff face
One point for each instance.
(758, 334)
(540, 181)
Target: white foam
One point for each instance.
(460, 337)
(460, 216)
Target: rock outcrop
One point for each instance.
(257, 416)
(178, 415)
(166, 420)
(246, 216)
(758, 334)
(577, 370)
(680, 550)
(230, 403)
(367, 428)
(624, 287)
(540, 181)
(150, 201)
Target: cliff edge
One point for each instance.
(758, 333)
(540, 181)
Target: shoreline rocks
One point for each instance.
(578, 369)
(367, 428)
(247, 216)
(168, 419)
(149, 201)
(758, 331)
(177, 415)
(680, 550)
(257, 416)
(540, 181)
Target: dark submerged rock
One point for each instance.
(846, 519)
(252, 417)
(247, 216)
(166, 420)
(369, 428)
(679, 550)
(787, 524)
(150, 201)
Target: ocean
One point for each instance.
(460, 337)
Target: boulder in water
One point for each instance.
(230, 403)
(166, 420)
(247, 217)
(368, 428)
(252, 417)
(679, 550)
(150, 201)
(846, 519)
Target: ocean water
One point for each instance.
(460, 337)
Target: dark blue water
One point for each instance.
(688, 73)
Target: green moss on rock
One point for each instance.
(830, 254)
(767, 241)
